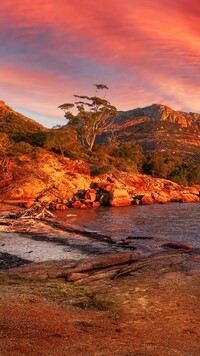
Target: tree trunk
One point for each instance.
(92, 143)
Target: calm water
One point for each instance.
(179, 222)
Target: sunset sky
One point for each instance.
(145, 51)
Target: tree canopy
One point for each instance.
(94, 115)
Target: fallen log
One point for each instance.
(106, 261)
(97, 276)
(150, 261)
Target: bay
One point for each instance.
(174, 222)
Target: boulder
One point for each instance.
(95, 204)
(84, 206)
(90, 195)
(106, 187)
(76, 204)
(147, 200)
(58, 206)
(104, 198)
(46, 198)
(28, 204)
(119, 197)
(161, 199)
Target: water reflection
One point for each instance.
(176, 221)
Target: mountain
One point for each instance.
(154, 128)
(12, 122)
(160, 128)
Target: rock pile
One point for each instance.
(139, 190)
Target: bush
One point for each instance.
(101, 170)
(21, 148)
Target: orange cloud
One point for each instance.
(151, 49)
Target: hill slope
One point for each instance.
(160, 128)
(8, 115)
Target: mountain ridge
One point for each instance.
(6, 111)
(163, 113)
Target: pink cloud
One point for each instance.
(151, 49)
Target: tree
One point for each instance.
(61, 139)
(94, 116)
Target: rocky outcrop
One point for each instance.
(162, 113)
(68, 182)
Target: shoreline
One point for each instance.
(114, 302)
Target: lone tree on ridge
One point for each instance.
(94, 116)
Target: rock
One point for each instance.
(119, 197)
(84, 206)
(76, 204)
(114, 181)
(16, 194)
(90, 195)
(46, 198)
(58, 206)
(191, 190)
(161, 199)
(136, 202)
(190, 198)
(29, 203)
(176, 245)
(95, 204)
(196, 258)
(104, 199)
(147, 200)
(106, 187)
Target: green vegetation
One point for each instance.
(163, 150)
(63, 141)
(172, 168)
(58, 292)
(94, 116)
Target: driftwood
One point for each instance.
(98, 276)
(90, 271)
(103, 267)
(107, 261)
(150, 261)
(37, 211)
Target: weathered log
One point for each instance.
(153, 260)
(106, 261)
(98, 276)
(73, 277)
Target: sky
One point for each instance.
(145, 51)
